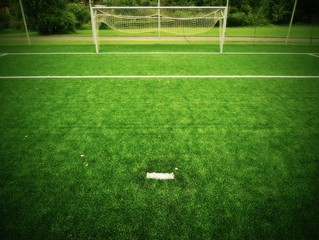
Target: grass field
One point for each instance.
(275, 31)
(242, 140)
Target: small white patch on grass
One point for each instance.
(160, 176)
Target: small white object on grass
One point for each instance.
(82, 155)
(160, 176)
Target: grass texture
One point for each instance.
(127, 46)
(74, 152)
(275, 31)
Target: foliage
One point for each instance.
(81, 13)
(61, 16)
(4, 21)
(50, 16)
(10, 17)
(64, 22)
(237, 19)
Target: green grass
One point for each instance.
(145, 64)
(128, 46)
(279, 31)
(246, 149)
(80, 37)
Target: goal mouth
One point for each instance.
(180, 21)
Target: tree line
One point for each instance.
(64, 16)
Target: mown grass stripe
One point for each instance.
(162, 53)
(161, 76)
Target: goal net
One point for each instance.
(184, 21)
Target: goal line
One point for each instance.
(160, 77)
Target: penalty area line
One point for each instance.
(4, 54)
(313, 55)
(158, 77)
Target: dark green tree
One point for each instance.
(81, 13)
(63, 16)
(50, 16)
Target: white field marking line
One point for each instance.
(54, 53)
(202, 53)
(2, 55)
(314, 55)
(164, 53)
(158, 77)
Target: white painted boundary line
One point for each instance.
(314, 55)
(165, 53)
(204, 53)
(152, 77)
(54, 53)
(2, 55)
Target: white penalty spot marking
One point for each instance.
(160, 176)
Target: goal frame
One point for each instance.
(222, 20)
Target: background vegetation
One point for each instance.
(64, 16)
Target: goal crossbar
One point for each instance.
(178, 20)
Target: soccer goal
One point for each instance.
(182, 21)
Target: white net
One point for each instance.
(186, 21)
(183, 21)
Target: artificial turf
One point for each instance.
(151, 46)
(276, 31)
(158, 65)
(74, 152)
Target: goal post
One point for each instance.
(182, 20)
